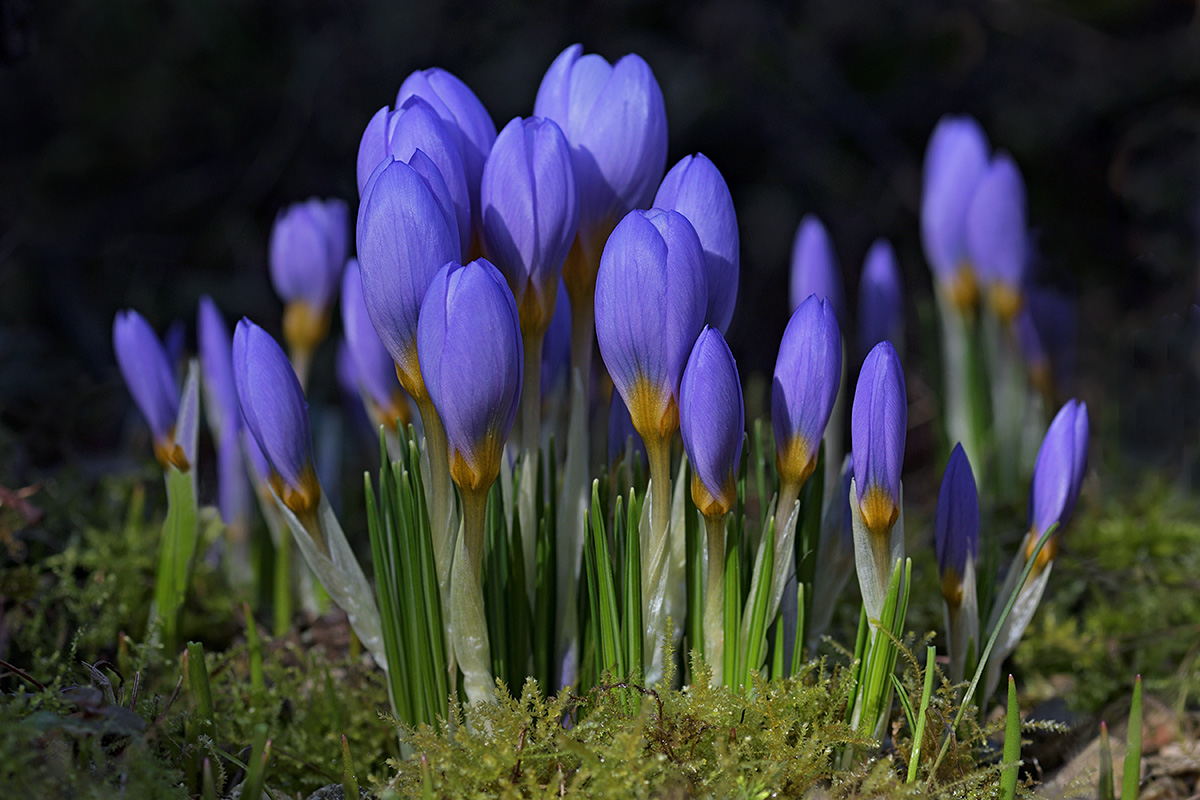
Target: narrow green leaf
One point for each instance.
(1131, 774)
(349, 776)
(922, 713)
(1104, 789)
(197, 670)
(1012, 744)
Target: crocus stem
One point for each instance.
(714, 598)
(441, 526)
(467, 619)
(531, 422)
(302, 364)
(656, 551)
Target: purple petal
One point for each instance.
(373, 365)
(695, 188)
(1059, 469)
(712, 416)
(815, 268)
(147, 371)
(556, 347)
(996, 232)
(308, 250)
(878, 425)
(956, 525)
(954, 163)
(416, 126)
(216, 365)
(880, 298)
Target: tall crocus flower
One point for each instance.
(307, 252)
(276, 414)
(814, 267)
(805, 385)
(880, 299)
(996, 235)
(956, 539)
(650, 302)
(469, 340)
(955, 161)
(459, 108)
(694, 187)
(151, 381)
(878, 425)
(373, 366)
(712, 418)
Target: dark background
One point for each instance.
(146, 146)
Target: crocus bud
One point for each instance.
(224, 412)
(616, 121)
(307, 253)
(459, 108)
(147, 373)
(695, 188)
(403, 239)
(996, 235)
(650, 303)
(530, 214)
(878, 425)
(807, 373)
(712, 419)
(956, 525)
(373, 367)
(556, 350)
(469, 341)
(1057, 477)
(880, 298)
(955, 161)
(276, 413)
(815, 268)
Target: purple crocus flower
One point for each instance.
(807, 373)
(151, 381)
(880, 298)
(650, 302)
(815, 268)
(956, 525)
(616, 121)
(373, 367)
(307, 253)
(712, 419)
(459, 108)
(695, 188)
(878, 425)
(996, 235)
(530, 214)
(955, 161)
(403, 240)
(1057, 476)
(224, 411)
(276, 414)
(556, 348)
(469, 341)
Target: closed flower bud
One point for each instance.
(996, 235)
(403, 240)
(224, 411)
(373, 367)
(695, 188)
(276, 414)
(956, 525)
(650, 303)
(530, 214)
(878, 426)
(814, 267)
(148, 375)
(1057, 476)
(307, 252)
(469, 341)
(556, 349)
(955, 161)
(712, 419)
(880, 299)
(807, 373)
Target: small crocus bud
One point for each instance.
(403, 240)
(224, 412)
(373, 368)
(807, 373)
(616, 121)
(695, 188)
(469, 341)
(712, 419)
(147, 372)
(276, 414)
(1057, 477)
(650, 303)
(307, 253)
(621, 434)
(815, 268)
(880, 299)
(956, 525)
(530, 214)
(996, 235)
(955, 161)
(878, 425)
(459, 108)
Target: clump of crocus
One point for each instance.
(712, 419)
(880, 299)
(996, 236)
(276, 414)
(694, 187)
(878, 427)
(307, 252)
(151, 381)
(469, 341)
(374, 371)
(814, 268)
(650, 303)
(956, 538)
